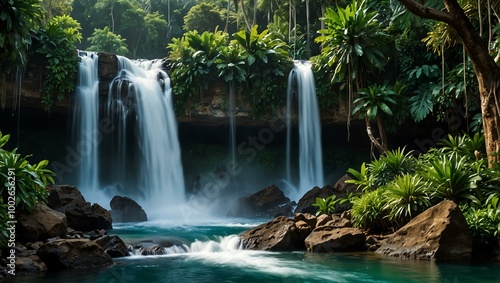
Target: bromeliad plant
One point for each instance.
(369, 211)
(407, 196)
(391, 164)
(329, 204)
(362, 178)
(452, 177)
(381, 171)
(325, 205)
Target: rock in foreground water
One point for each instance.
(279, 234)
(440, 233)
(73, 253)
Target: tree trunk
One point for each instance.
(245, 17)
(372, 137)
(226, 28)
(254, 20)
(487, 72)
(381, 132)
(489, 88)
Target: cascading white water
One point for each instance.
(230, 243)
(161, 174)
(85, 123)
(140, 157)
(310, 150)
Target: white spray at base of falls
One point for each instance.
(139, 156)
(301, 83)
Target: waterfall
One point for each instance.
(301, 83)
(139, 156)
(85, 123)
(232, 124)
(219, 246)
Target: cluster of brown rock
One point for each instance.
(440, 233)
(68, 232)
(268, 202)
(325, 233)
(272, 202)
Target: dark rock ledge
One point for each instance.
(67, 233)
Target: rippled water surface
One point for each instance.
(211, 253)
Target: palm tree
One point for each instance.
(370, 104)
(354, 43)
(230, 63)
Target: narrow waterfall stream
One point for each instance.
(301, 84)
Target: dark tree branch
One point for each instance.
(428, 13)
(455, 17)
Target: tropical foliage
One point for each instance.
(106, 41)
(329, 204)
(353, 41)
(56, 42)
(484, 221)
(257, 62)
(371, 103)
(17, 18)
(398, 186)
(203, 17)
(29, 180)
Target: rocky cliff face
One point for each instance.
(208, 111)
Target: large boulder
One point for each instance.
(62, 195)
(73, 253)
(340, 189)
(262, 203)
(106, 71)
(86, 217)
(81, 215)
(309, 218)
(113, 245)
(29, 265)
(305, 203)
(342, 186)
(40, 224)
(124, 209)
(279, 234)
(331, 239)
(440, 233)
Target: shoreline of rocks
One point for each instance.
(70, 233)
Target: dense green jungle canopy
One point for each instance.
(390, 65)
